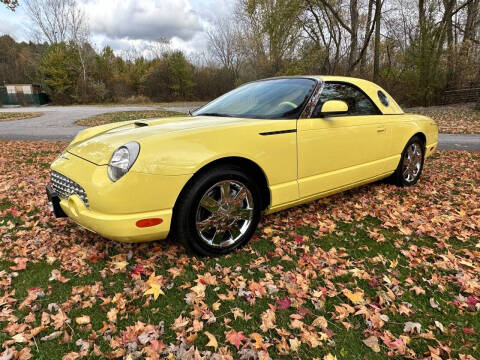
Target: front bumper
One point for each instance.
(121, 228)
(114, 208)
(430, 149)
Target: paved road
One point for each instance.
(56, 123)
(459, 142)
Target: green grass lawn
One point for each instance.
(7, 116)
(397, 266)
(113, 117)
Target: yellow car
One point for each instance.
(265, 146)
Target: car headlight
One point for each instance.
(122, 160)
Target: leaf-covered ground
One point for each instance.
(372, 273)
(125, 116)
(453, 119)
(7, 116)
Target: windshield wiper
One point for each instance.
(214, 114)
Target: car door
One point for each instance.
(339, 151)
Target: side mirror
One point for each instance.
(334, 107)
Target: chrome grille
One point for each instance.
(65, 187)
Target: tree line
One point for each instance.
(413, 48)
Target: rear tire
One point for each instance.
(411, 163)
(218, 211)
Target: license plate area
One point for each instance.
(54, 203)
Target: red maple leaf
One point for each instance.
(472, 301)
(138, 270)
(299, 240)
(235, 338)
(284, 304)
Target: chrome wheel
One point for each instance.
(412, 162)
(224, 213)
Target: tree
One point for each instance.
(352, 29)
(376, 51)
(271, 32)
(473, 20)
(325, 33)
(180, 75)
(59, 67)
(57, 21)
(334, 12)
(10, 4)
(225, 45)
(169, 78)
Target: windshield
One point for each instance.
(267, 99)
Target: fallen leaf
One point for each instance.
(412, 327)
(154, 290)
(283, 304)
(372, 343)
(82, 320)
(433, 303)
(356, 297)
(235, 338)
(439, 325)
(212, 341)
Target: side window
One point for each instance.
(383, 98)
(358, 103)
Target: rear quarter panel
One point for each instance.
(404, 127)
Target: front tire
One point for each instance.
(411, 163)
(218, 211)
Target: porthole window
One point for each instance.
(383, 98)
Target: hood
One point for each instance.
(98, 146)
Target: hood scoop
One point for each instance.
(140, 124)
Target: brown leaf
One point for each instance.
(82, 320)
(372, 343)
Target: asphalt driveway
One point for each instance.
(58, 123)
(469, 142)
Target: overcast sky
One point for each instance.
(126, 23)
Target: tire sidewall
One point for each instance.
(400, 179)
(187, 211)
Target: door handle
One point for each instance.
(381, 129)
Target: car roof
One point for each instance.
(368, 87)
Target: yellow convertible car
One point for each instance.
(265, 146)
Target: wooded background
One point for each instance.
(416, 49)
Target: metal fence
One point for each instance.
(461, 95)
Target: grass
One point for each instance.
(114, 117)
(290, 256)
(8, 116)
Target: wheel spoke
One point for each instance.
(410, 153)
(207, 224)
(418, 157)
(241, 195)
(225, 192)
(209, 204)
